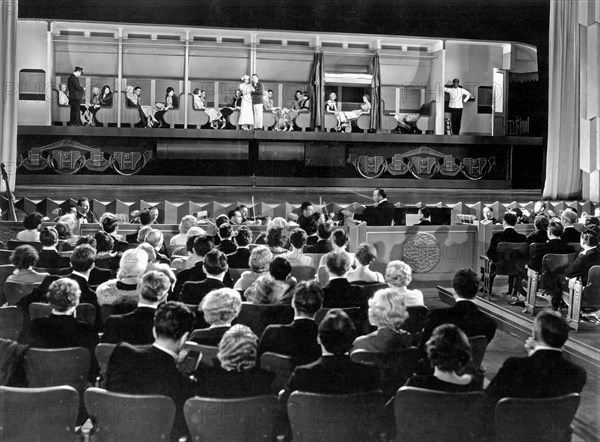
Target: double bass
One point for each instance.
(12, 213)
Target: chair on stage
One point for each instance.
(85, 312)
(329, 417)
(103, 353)
(580, 298)
(511, 260)
(548, 419)
(15, 291)
(125, 417)
(39, 414)
(281, 365)
(11, 322)
(255, 418)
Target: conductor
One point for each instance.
(381, 213)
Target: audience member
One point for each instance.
(587, 258)
(24, 258)
(227, 246)
(146, 218)
(156, 239)
(32, 224)
(365, 256)
(110, 224)
(123, 291)
(106, 257)
(187, 222)
(540, 234)
(277, 240)
(339, 293)
(215, 267)
(186, 259)
(296, 257)
(260, 258)
(219, 307)
(424, 217)
(66, 239)
(136, 327)
(553, 245)
(323, 245)
(568, 218)
(339, 242)
(49, 256)
(239, 259)
(275, 288)
(201, 246)
(398, 275)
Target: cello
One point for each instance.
(9, 195)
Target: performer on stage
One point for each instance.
(381, 213)
(75, 96)
(458, 96)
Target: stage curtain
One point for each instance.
(376, 93)
(8, 82)
(563, 175)
(316, 82)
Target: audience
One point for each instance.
(275, 288)
(239, 259)
(201, 246)
(186, 260)
(568, 218)
(110, 225)
(366, 254)
(215, 267)
(106, 257)
(123, 291)
(49, 256)
(32, 224)
(187, 222)
(219, 307)
(260, 259)
(540, 234)
(553, 245)
(24, 258)
(339, 293)
(323, 245)
(227, 246)
(398, 275)
(296, 257)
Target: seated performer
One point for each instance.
(345, 118)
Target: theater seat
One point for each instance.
(85, 312)
(62, 366)
(259, 316)
(103, 353)
(582, 298)
(281, 365)
(15, 291)
(303, 273)
(11, 322)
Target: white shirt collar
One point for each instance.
(143, 304)
(464, 299)
(49, 248)
(166, 350)
(544, 347)
(74, 272)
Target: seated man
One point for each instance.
(588, 257)
(339, 293)
(215, 267)
(152, 369)
(544, 372)
(334, 372)
(146, 218)
(323, 245)
(49, 256)
(540, 234)
(553, 245)
(239, 259)
(136, 327)
(568, 218)
(201, 246)
(424, 217)
(227, 246)
(464, 314)
(298, 339)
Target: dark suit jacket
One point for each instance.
(425, 222)
(465, 315)
(134, 327)
(120, 246)
(149, 370)
(196, 273)
(227, 246)
(257, 95)
(209, 336)
(507, 235)
(75, 89)
(380, 215)
(311, 241)
(321, 246)
(555, 246)
(193, 291)
(89, 217)
(217, 382)
(537, 236)
(571, 234)
(131, 238)
(52, 259)
(298, 340)
(543, 374)
(582, 264)
(239, 259)
(339, 293)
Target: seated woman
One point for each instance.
(300, 105)
(106, 96)
(215, 118)
(220, 307)
(449, 353)
(24, 258)
(171, 102)
(387, 312)
(398, 275)
(66, 239)
(277, 222)
(275, 288)
(365, 255)
(88, 115)
(106, 257)
(32, 224)
(123, 290)
(187, 222)
(345, 118)
(63, 95)
(238, 375)
(260, 258)
(146, 112)
(278, 240)
(236, 103)
(339, 242)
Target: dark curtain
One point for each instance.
(318, 90)
(376, 93)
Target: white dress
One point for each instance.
(246, 111)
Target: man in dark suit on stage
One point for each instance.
(464, 314)
(381, 213)
(339, 293)
(136, 327)
(215, 267)
(424, 217)
(152, 369)
(544, 373)
(553, 245)
(239, 259)
(84, 214)
(298, 339)
(75, 96)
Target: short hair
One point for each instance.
(569, 216)
(215, 262)
(63, 294)
(589, 238)
(104, 242)
(80, 201)
(231, 213)
(340, 238)
(24, 256)
(166, 270)
(146, 217)
(260, 258)
(277, 237)
(221, 219)
(133, 263)
(263, 291)
(337, 332)
(298, 238)
(136, 88)
(141, 235)
(64, 230)
(425, 212)
(83, 258)
(33, 220)
(280, 268)
(269, 90)
(86, 239)
(172, 320)
(366, 253)
(382, 193)
(338, 263)
(308, 297)
(221, 306)
(149, 249)
(489, 208)
(541, 223)
(305, 205)
(398, 274)
(110, 223)
(555, 228)
(517, 212)
(187, 222)
(170, 89)
(203, 245)
(309, 225)
(448, 348)
(465, 283)
(238, 349)
(48, 236)
(196, 91)
(243, 236)
(387, 308)
(551, 327)
(324, 231)
(510, 219)
(225, 230)
(154, 237)
(154, 286)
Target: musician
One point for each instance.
(84, 214)
(381, 213)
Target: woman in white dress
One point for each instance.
(246, 120)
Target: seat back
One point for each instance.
(5, 271)
(258, 317)
(196, 117)
(281, 365)
(5, 257)
(478, 347)
(591, 293)
(129, 114)
(453, 417)
(14, 291)
(353, 312)
(303, 273)
(108, 114)
(103, 353)
(11, 322)
(209, 355)
(60, 366)
(39, 414)
(547, 419)
(85, 312)
(141, 417)
(575, 246)
(236, 273)
(511, 258)
(209, 419)
(176, 116)
(370, 289)
(416, 318)
(553, 266)
(12, 244)
(325, 417)
(60, 114)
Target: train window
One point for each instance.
(32, 85)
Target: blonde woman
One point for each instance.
(246, 120)
(398, 275)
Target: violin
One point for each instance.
(9, 195)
